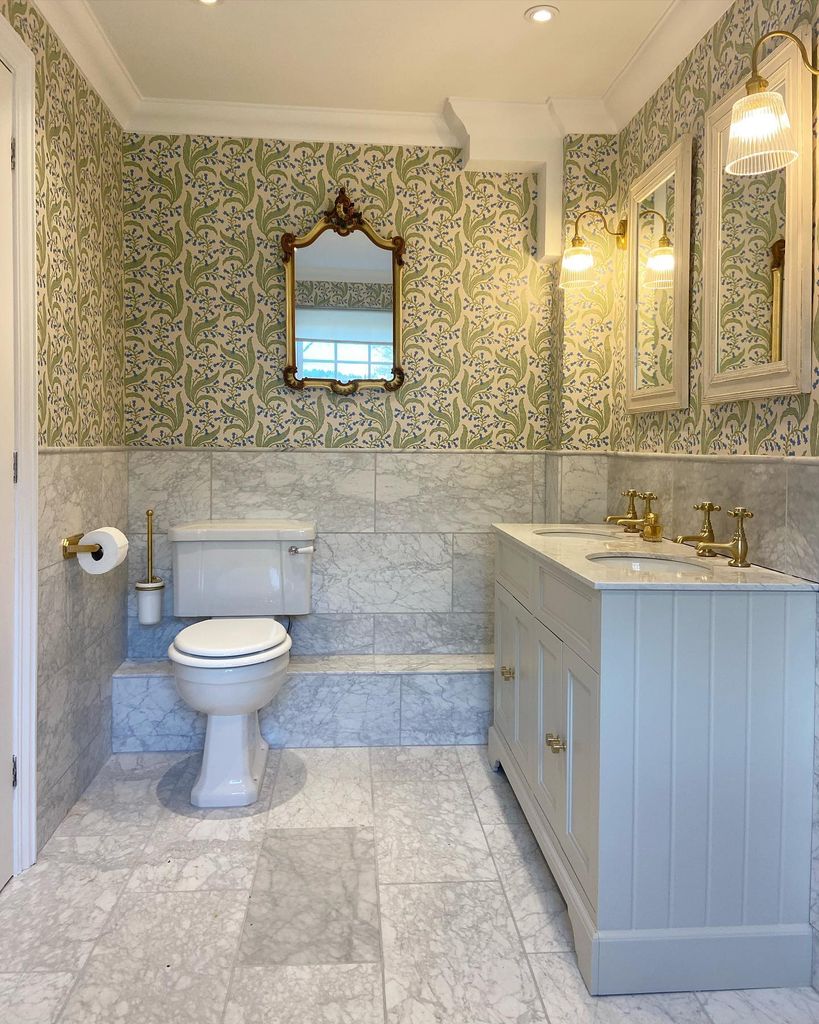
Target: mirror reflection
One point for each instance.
(344, 303)
(654, 355)
(751, 269)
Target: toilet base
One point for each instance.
(233, 763)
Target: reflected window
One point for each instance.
(344, 344)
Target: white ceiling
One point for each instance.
(396, 55)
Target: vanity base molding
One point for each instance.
(629, 962)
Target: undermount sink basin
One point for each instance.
(574, 532)
(642, 565)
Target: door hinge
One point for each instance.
(13, 771)
(14, 465)
(13, 153)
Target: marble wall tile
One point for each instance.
(551, 495)
(451, 493)
(335, 489)
(322, 788)
(383, 572)
(176, 485)
(437, 709)
(583, 488)
(55, 798)
(314, 899)
(334, 711)
(540, 484)
(451, 953)
(473, 572)
(33, 997)
(802, 534)
(150, 715)
(434, 633)
(313, 994)
(643, 473)
(332, 634)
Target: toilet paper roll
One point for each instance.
(114, 545)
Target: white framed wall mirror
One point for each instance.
(659, 225)
(757, 253)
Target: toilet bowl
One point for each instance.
(229, 669)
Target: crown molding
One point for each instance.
(81, 34)
(670, 41)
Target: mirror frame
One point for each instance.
(343, 218)
(791, 374)
(676, 163)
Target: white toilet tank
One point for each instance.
(240, 567)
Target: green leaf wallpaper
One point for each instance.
(598, 172)
(204, 295)
(78, 246)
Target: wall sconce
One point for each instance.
(760, 138)
(660, 261)
(576, 268)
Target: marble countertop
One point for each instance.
(570, 553)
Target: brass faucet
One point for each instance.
(706, 534)
(630, 519)
(649, 526)
(737, 547)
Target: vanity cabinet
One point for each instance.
(660, 743)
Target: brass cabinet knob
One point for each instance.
(507, 673)
(707, 506)
(555, 743)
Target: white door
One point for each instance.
(7, 517)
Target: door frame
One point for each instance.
(20, 61)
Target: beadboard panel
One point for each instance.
(738, 663)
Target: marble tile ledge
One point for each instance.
(352, 664)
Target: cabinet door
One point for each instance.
(505, 664)
(548, 779)
(580, 828)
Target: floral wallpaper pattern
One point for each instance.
(343, 294)
(598, 171)
(204, 295)
(78, 247)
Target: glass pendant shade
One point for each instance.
(760, 138)
(660, 268)
(576, 268)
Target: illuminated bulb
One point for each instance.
(209, 3)
(760, 138)
(660, 266)
(541, 14)
(577, 264)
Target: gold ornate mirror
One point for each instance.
(343, 304)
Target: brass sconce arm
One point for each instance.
(756, 83)
(664, 239)
(619, 233)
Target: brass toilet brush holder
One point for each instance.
(149, 591)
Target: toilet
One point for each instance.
(242, 573)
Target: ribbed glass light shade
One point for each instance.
(577, 268)
(660, 268)
(760, 138)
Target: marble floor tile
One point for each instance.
(431, 763)
(51, 916)
(192, 865)
(763, 1006)
(109, 851)
(314, 899)
(131, 992)
(451, 954)
(428, 831)
(34, 997)
(320, 994)
(322, 788)
(491, 792)
(536, 903)
(567, 1000)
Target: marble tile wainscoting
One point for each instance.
(404, 561)
(81, 637)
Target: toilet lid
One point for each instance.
(227, 638)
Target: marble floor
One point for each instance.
(396, 884)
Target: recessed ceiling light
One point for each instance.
(541, 14)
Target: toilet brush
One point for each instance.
(149, 590)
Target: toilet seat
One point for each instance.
(229, 643)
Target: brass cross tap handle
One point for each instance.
(737, 547)
(647, 497)
(706, 534)
(630, 518)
